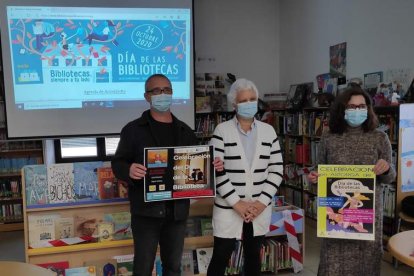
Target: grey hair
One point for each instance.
(239, 85)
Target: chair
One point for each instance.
(403, 217)
(23, 269)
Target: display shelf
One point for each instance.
(15, 226)
(8, 175)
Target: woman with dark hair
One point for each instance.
(354, 140)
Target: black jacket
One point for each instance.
(136, 136)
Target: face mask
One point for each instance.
(247, 109)
(161, 102)
(356, 117)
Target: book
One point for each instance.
(105, 231)
(105, 267)
(57, 267)
(218, 102)
(122, 189)
(124, 264)
(81, 271)
(187, 263)
(86, 180)
(64, 228)
(86, 224)
(203, 104)
(122, 225)
(346, 200)
(41, 230)
(203, 258)
(106, 183)
(193, 227)
(206, 227)
(36, 185)
(60, 181)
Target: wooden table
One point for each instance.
(401, 245)
(23, 269)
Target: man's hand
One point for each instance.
(313, 177)
(381, 167)
(137, 171)
(218, 164)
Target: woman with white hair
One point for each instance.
(253, 171)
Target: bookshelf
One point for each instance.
(77, 254)
(205, 123)
(13, 156)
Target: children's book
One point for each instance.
(60, 179)
(105, 267)
(124, 264)
(346, 202)
(41, 230)
(36, 185)
(122, 189)
(105, 231)
(57, 267)
(187, 263)
(86, 180)
(106, 183)
(65, 228)
(206, 227)
(122, 225)
(81, 271)
(86, 224)
(203, 258)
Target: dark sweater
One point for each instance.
(135, 136)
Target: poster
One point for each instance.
(337, 55)
(179, 172)
(407, 147)
(346, 199)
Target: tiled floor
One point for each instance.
(312, 248)
(12, 249)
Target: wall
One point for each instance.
(240, 37)
(378, 35)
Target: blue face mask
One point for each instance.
(161, 102)
(247, 109)
(356, 117)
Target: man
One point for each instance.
(161, 222)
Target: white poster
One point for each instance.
(407, 147)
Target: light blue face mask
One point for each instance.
(356, 117)
(161, 102)
(247, 109)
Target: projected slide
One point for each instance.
(95, 57)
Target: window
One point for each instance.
(85, 149)
(78, 147)
(111, 143)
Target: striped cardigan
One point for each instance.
(239, 181)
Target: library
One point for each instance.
(76, 193)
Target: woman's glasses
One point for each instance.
(354, 106)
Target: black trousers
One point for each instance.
(224, 247)
(148, 232)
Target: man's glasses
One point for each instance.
(159, 90)
(354, 106)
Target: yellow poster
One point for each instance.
(346, 202)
